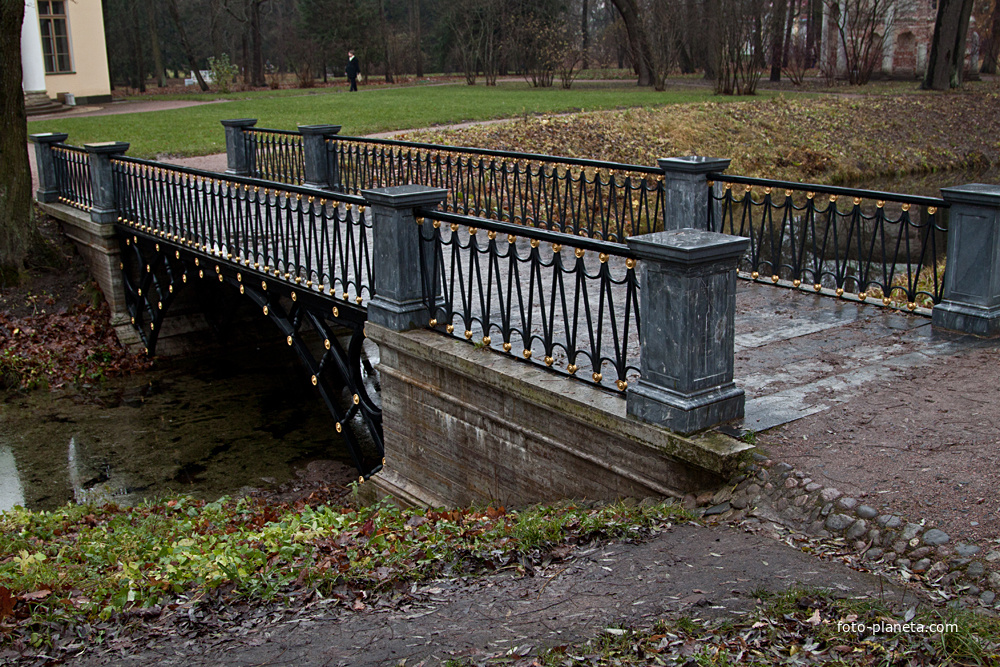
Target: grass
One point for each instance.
(196, 130)
(81, 563)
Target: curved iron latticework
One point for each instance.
(304, 263)
(152, 278)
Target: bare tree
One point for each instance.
(741, 46)
(248, 13)
(175, 16)
(154, 40)
(466, 35)
(642, 57)
(16, 227)
(862, 26)
(663, 27)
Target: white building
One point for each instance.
(63, 53)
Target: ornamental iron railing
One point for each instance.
(876, 245)
(275, 155)
(304, 236)
(590, 198)
(569, 304)
(72, 172)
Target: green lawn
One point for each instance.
(196, 130)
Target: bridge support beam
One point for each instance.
(971, 298)
(687, 306)
(398, 303)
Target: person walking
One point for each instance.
(353, 68)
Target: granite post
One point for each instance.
(687, 306)
(239, 161)
(102, 181)
(398, 302)
(318, 165)
(970, 302)
(48, 185)
(686, 191)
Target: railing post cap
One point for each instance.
(319, 129)
(693, 164)
(405, 196)
(107, 147)
(976, 194)
(688, 246)
(48, 137)
(239, 122)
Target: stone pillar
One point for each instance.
(48, 185)
(685, 187)
(971, 299)
(102, 181)
(398, 302)
(239, 162)
(318, 172)
(32, 59)
(687, 306)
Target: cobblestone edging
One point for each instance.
(778, 493)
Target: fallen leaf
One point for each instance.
(7, 601)
(37, 595)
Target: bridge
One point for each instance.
(543, 327)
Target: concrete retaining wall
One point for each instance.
(464, 425)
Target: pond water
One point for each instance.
(210, 426)
(928, 185)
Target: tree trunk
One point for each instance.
(991, 49)
(793, 13)
(256, 45)
(138, 62)
(638, 40)
(185, 44)
(707, 19)
(16, 229)
(947, 57)
(585, 33)
(154, 40)
(814, 26)
(415, 29)
(780, 7)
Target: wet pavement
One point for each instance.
(798, 353)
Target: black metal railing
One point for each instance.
(877, 245)
(275, 155)
(567, 303)
(591, 198)
(300, 235)
(72, 172)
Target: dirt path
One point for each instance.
(687, 569)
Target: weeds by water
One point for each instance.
(84, 563)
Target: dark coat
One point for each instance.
(353, 67)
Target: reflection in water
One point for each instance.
(207, 426)
(11, 493)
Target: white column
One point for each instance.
(32, 62)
